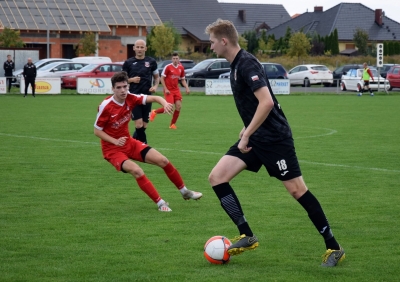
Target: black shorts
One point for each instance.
(142, 112)
(279, 159)
(366, 83)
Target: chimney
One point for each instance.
(242, 15)
(378, 16)
(318, 8)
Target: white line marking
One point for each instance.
(203, 152)
(330, 132)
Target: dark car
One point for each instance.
(187, 64)
(272, 70)
(337, 73)
(210, 68)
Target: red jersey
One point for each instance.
(113, 117)
(172, 75)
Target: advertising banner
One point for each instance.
(94, 85)
(3, 84)
(43, 85)
(223, 86)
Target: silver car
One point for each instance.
(58, 69)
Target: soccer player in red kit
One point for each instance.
(119, 148)
(170, 77)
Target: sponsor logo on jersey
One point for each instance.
(121, 121)
(146, 64)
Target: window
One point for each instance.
(396, 71)
(215, 66)
(116, 68)
(104, 68)
(296, 69)
(225, 65)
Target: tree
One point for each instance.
(252, 41)
(87, 44)
(243, 43)
(177, 36)
(271, 44)
(163, 40)
(360, 39)
(335, 44)
(11, 38)
(262, 46)
(286, 39)
(299, 45)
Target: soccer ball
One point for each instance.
(216, 250)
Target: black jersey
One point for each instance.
(145, 69)
(247, 75)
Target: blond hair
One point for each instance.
(223, 29)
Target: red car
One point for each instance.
(393, 75)
(93, 70)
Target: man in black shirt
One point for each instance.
(29, 76)
(144, 79)
(8, 67)
(265, 140)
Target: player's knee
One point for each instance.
(178, 108)
(133, 169)
(163, 161)
(214, 178)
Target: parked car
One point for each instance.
(352, 80)
(39, 64)
(306, 75)
(210, 68)
(393, 76)
(93, 70)
(386, 67)
(187, 64)
(337, 73)
(59, 68)
(272, 70)
(91, 60)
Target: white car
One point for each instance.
(306, 75)
(39, 64)
(59, 69)
(352, 80)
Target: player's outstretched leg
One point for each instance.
(333, 257)
(156, 158)
(154, 113)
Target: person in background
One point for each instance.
(29, 76)
(9, 67)
(366, 76)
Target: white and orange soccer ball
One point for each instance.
(216, 250)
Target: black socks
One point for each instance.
(318, 218)
(140, 134)
(230, 203)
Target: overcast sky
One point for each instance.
(390, 7)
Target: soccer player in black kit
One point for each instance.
(265, 140)
(144, 79)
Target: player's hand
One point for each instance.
(187, 90)
(242, 146)
(168, 108)
(166, 91)
(121, 141)
(135, 79)
(153, 89)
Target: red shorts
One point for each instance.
(173, 96)
(131, 150)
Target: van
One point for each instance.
(91, 60)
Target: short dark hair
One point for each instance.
(120, 76)
(175, 54)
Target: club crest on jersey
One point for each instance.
(254, 77)
(146, 64)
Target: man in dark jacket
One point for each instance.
(8, 67)
(29, 76)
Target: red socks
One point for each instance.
(174, 175)
(148, 187)
(175, 117)
(160, 111)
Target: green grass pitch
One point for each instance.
(67, 215)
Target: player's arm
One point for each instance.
(265, 105)
(184, 83)
(166, 91)
(370, 74)
(105, 137)
(156, 81)
(168, 108)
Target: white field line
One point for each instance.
(200, 152)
